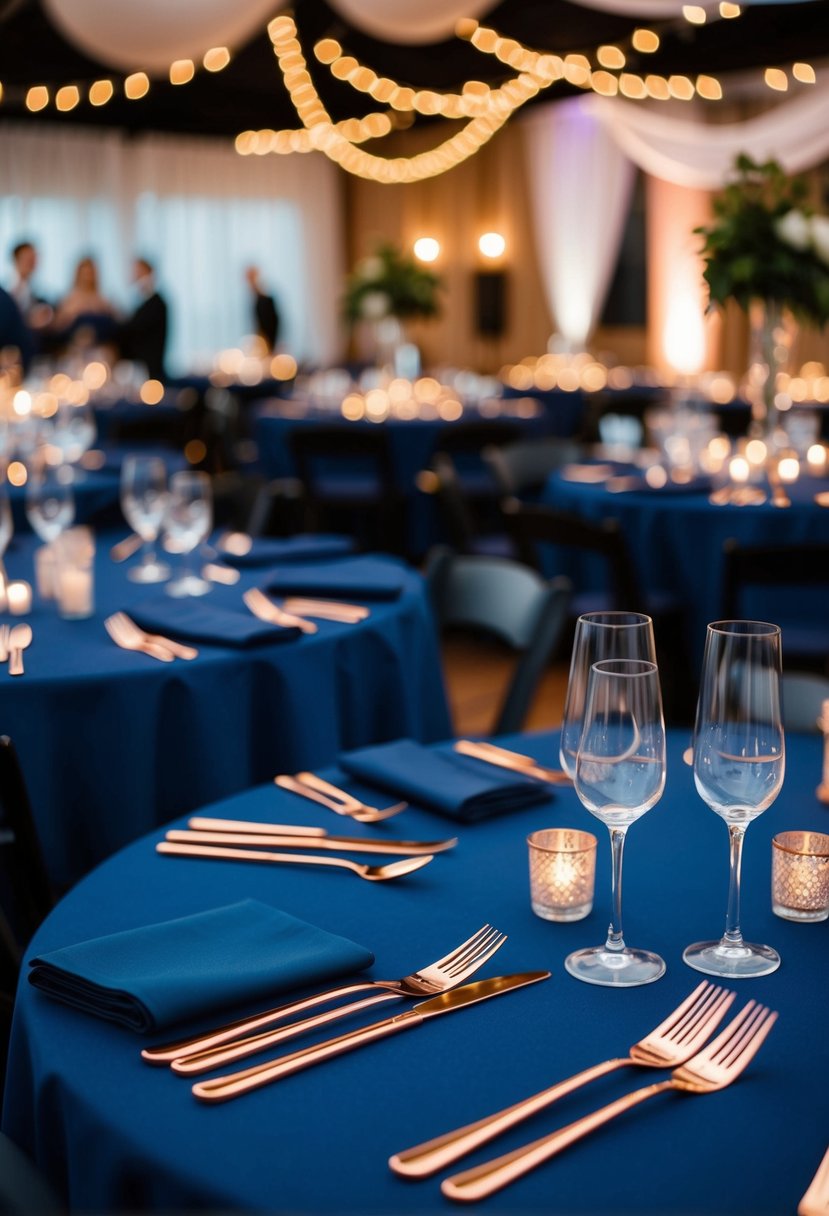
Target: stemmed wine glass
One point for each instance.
(187, 523)
(50, 499)
(144, 502)
(739, 764)
(620, 774)
(599, 635)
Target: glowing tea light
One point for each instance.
(739, 469)
(756, 452)
(800, 876)
(562, 873)
(789, 468)
(19, 598)
(816, 458)
(74, 591)
(656, 477)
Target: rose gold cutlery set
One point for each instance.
(13, 641)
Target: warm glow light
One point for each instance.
(283, 367)
(683, 335)
(756, 452)
(610, 57)
(632, 86)
(738, 469)
(789, 468)
(22, 403)
(182, 71)
(681, 88)
(728, 10)
(100, 92)
(137, 85)
(694, 13)
(492, 244)
(16, 473)
(604, 83)
(645, 41)
(195, 451)
(657, 87)
(776, 79)
(709, 88)
(217, 58)
(67, 97)
(426, 249)
(816, 458)
(804, 72)
(151, 392)
(37, 98)
(94, 375)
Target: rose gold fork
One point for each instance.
(455, 967)
(309, 785)
(713, 1068)
(266, 610)
(671, 1043)
(129, 629)
(816, 1200)
(127, 641)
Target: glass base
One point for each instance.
(560, 913)
(188, 584)
(149, 572)
(803, 915)
(615, 968)
(732, 962)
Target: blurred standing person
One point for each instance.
(36, 312)
(15, 337)
(265, 312)
(84, 309)
(142, 337)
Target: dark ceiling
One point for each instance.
(249, 93)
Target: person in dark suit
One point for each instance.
(36, 312)
(15, 335)
(265, 312)
(142, 337)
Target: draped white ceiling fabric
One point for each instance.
(580, 185)
(148, 35)
(700, 154)
(409, 21)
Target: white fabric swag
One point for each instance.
(701, 154)
(580, 184)
(199, 212)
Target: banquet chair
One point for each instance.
(461, 524)
(502, 599)
(349, 472)
(803, 695)
(521, 469)
(543, 536)
(779, 583)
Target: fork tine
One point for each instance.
(471, 942)
(700, 1021)
(480, 958)
(750, 1039)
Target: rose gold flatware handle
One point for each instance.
(512, 761)
(346, 800)
(204, 822)
(286, 782)
(179, 649)
(348, 844)
(204, 1061)
(126, 547)
(815, 1202)
(392, 869)
(234, 1084)
(484, 1180)
(165, 1053)
(432, 1155)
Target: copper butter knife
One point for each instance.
(231, 1085)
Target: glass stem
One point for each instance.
(147, 553)
(615, 940)
(736, 835)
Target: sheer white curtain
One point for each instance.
(580, 186)
(199, 212)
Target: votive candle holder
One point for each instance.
(562, 873)
(800, 876)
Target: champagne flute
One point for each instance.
(620, 774)
(144, 502)
(50, 500)
(739, 764)
(599, 635)
(187, 523)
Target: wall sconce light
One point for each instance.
(492, 244)
(426, 249)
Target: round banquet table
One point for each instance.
(675, 537)
(113, 1134)
(113, 742)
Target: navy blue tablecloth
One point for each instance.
(113, 742)
(112, 1133)
(676, 542)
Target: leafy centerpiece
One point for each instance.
(768, 251)
(383, 292)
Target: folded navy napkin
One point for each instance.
(194, 621)
(156, 975)
(268, 550)
(350, 577)
(442, 780)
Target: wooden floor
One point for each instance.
(476, 674)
